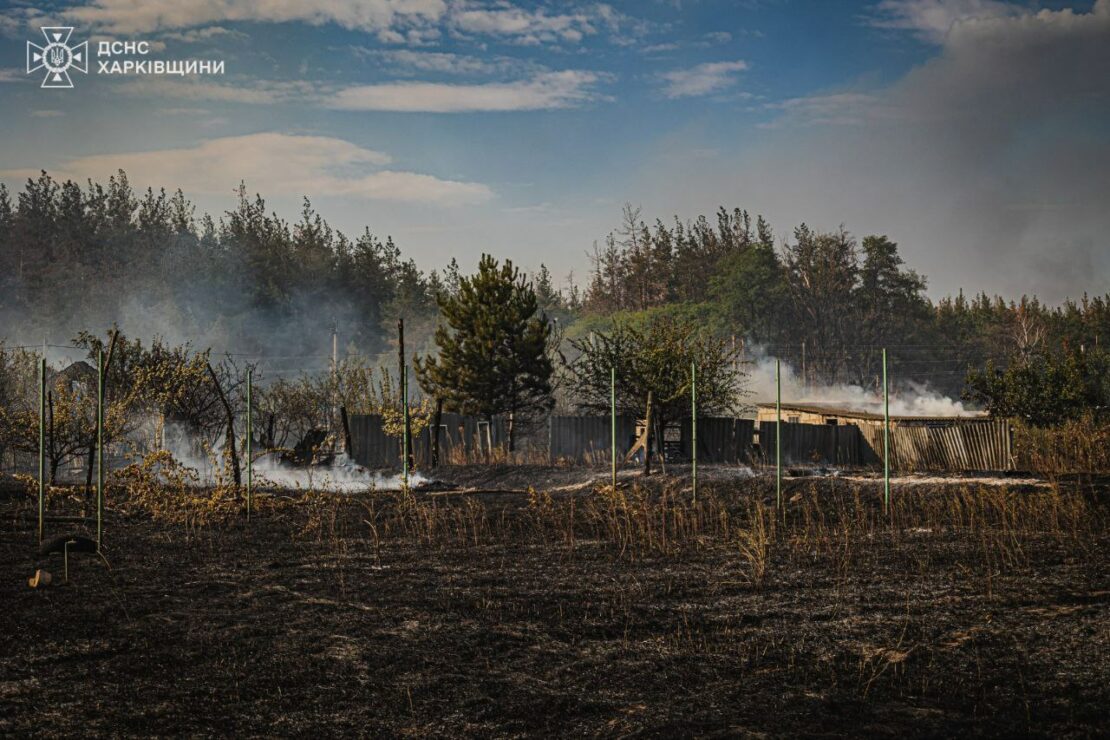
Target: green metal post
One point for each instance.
(613, 422)
(42, 446)
(99, 448)
(778, 433)
(694, 427)
(250, 470)
(886, 439)
(405, 422)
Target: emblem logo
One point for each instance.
(57, 57)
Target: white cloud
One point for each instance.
(544, 91)
(932, 20)
(843, 108)
(18, 21)
(662, 48)
(283, 164)
(402, 60)
(259, 92)
(414, 22)
(201, 35)
(520, 25)
(145, 16)
(703, 79)
(182, 111)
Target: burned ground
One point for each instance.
(980, 610)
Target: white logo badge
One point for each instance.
(57, 57)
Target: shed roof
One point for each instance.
(833, 409)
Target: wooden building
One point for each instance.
(917, 443)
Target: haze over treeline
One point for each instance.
(75, 257)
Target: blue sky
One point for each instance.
(973, 132)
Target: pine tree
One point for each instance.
(492, 348)
(547, 296)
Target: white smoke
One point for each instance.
(908, 399)
(342, 475)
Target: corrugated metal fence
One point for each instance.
(967, 445)
(460, 438)
(587, 438)
(823, 444)
(721, 440)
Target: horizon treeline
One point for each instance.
(76, 257)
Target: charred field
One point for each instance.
(968, 608)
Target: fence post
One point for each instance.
(42, 445)
(250, 431)
(778, 433)
(99, 448)
(694, 428)
(613, 422)
(886, 439)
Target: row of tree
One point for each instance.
(248, 282)
(823, 301)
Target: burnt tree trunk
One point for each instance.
(229, 443)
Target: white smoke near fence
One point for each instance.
(341, 475)
(907, 398)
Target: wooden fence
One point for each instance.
(966, 445)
